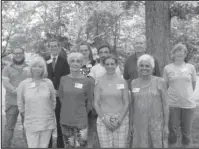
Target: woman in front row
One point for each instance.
(111, 104)
(150, 108)
(36, 101)
(76, 95)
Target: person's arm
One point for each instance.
(157, 69)
(52, 93)
(20, 97)
(126, 75)
(125, 96)
(165, 105)
(61, 93)
(165, 76)
(97, 100)
(90, 96)
(6, 81)
(194, 77)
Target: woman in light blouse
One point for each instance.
(111, 104)
(36, 101)
(76, 95)
(181, 82)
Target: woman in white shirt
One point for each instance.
(181, 81)
(36, 101)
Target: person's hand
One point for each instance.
(166, 132)
(116, 123)
(108, 124)
(56, 93)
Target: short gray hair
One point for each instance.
(40, 60)
(178, 47)
(77, 55)
(146, 57)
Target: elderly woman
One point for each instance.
(111, 104)
(76, 95)
(36, 101)
(181, 81)
(149, 119)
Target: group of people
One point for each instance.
(75, 97)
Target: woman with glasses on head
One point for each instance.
(149, 111)
(36, 101)
(111, 104)
(76, 96)
(181, 82)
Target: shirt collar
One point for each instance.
(54, 56)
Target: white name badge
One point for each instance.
(136, 90)
(78, 85)
(184, 69)
(32, 85)
(120, 86)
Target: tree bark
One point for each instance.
(158, 31)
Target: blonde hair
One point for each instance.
(178, 47)
(40, 60)
(77, 55)
(148, 58)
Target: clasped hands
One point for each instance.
(112, 123)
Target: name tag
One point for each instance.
(78, 85)
(184, 69)
(136, 90)
(32, 85)
(120, 86)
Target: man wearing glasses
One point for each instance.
(57, 67)
(12, 76)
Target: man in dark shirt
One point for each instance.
(130, 65)
(57, 67)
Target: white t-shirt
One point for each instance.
(180, 88)
(98, 71)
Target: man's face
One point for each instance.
(18, 56)
(54, 48)
(103, 52)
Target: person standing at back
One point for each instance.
(12, 76)
(57, 67)
(130, 65)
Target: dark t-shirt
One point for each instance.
(76, 97)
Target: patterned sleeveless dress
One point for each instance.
(148, 115)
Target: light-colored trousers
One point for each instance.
(39, 139)
(116, 139)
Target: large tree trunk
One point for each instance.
(158, 31)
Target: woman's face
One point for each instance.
(75, 64)
(84, 50)
(110, 66)
(37, 70)
(179, 55)
(145, 68)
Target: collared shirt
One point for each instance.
(54, 57)
(15, 76)
(98, 71)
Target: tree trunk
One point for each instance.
(158, 31)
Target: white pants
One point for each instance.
(39, 139)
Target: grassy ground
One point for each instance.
(18, 141)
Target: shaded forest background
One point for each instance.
(122, 24)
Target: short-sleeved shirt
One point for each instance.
(74, 94)
(15, 76)
(98, 71)
(180, 87)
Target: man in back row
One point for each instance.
(12, 76)
(130, 65)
